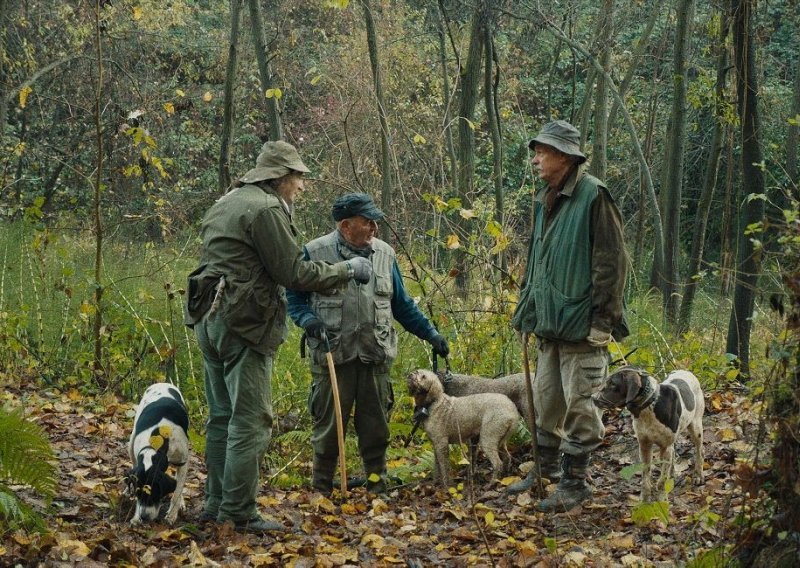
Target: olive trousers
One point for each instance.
(239, 427)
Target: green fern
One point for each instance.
(27, 460)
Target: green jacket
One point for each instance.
(248, 238)
(577, 265)
(357, 316)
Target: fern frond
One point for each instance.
(25, 454)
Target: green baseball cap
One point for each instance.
(562, 136)
(276, 159)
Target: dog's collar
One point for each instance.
(647, 396)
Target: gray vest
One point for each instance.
(358, 317)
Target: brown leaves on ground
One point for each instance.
(416, 525)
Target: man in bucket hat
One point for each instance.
(572, 302)
(358, 323)
(237, 306)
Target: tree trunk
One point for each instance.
(468, 96)
(585, 110)
(493, 116)
(224, 167)
(97, 208)
(265, 70)
(447, 131)
(638, 54)
(749, 257)
(794, 130)
(386, 162)
(4, 19)
(673, 177)
(709, 180)
(600, 139)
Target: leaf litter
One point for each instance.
(475, 524)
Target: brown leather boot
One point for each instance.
(551, 470)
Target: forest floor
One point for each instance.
(413, 525)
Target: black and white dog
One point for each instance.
(660, 413)
(159, 438)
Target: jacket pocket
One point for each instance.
(385, 335)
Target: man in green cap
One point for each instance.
(572, 302)
(237, 306)
(357, 321)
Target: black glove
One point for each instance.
(440, 346)
(315, 328)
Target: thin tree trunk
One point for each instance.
(470, 77)
(676, 142)
(265, 70)
(224, 167)
(493, 117)
(386, 166)
(709, 180)
(728, 223)
(4, 19)
(585, 110)
(794, 130)
(638, 54)
(600, 139)
(97, 335)
(447, 131)
(749, 258)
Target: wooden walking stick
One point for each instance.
(531, 417)
(337, 409)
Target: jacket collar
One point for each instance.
(569, 185)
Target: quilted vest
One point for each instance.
(358, 317)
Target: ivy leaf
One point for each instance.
(276, 93)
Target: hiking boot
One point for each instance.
(548, 458)
(573, 489)
(257, 525)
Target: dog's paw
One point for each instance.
(171, 517)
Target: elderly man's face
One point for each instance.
(358, 230)
(289, 186)
(550, 164)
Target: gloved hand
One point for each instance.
(597, 338)
(440, 346)
(314, 328)
(362, 269)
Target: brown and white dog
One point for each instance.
(452, 420)
(159, 439)
(660, 413)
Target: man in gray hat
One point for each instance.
(572, 302)
(358, 323)
(237, 306)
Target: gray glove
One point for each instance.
(360, 269)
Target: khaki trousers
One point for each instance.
(567, 375)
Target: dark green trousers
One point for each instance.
(239, 427)
(364, 390)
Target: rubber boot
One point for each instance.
(573, 489)
(548, 458)
(373, 468)
(322, 474)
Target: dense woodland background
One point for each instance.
(123, 120)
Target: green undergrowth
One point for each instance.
(46, 313)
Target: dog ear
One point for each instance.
(633, 381)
